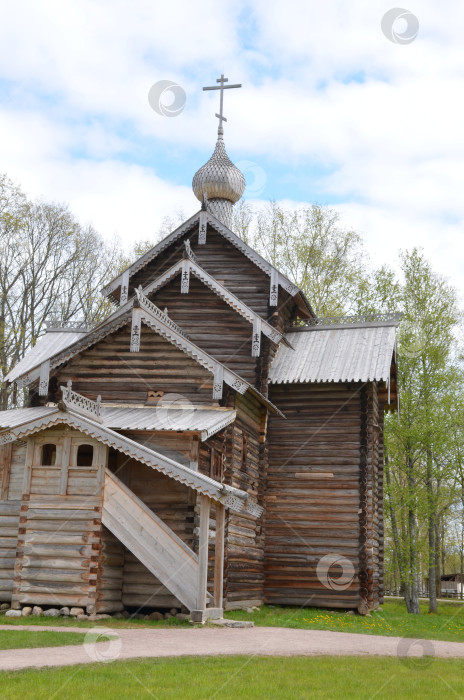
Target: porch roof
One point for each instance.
(231, 497)
(206, 421)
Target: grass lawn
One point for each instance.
(72, 622)
(24, 639)
(202, 678)
(393, 621)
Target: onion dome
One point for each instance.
(219, 183)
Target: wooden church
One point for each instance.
(210, 445)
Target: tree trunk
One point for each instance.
(411, 595)
(397, 552)
(431, 528)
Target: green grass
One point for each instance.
(393, 621)
(25, 639)
(72, 622)
(221, 678)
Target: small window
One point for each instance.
(48, 455)
(85, 455)
(216, 468)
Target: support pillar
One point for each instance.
(219, 556)
(203, 553)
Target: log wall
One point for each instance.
(313, 496)
(121, 376)
(211, 324)
(228, 266)
(60, 521)
(244, 545)
(12, 458)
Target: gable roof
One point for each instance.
(230, 236)
(161, 324)
(193, 267)
(228, 495)
(349, 353)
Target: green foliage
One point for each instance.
(50, 267)
(311, 248)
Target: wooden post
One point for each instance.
(31, 449)
(203, 553)
(219, 555)
(5, 455)
(65, 458)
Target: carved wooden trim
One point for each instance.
(202, 226)
(228, 495)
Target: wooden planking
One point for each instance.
(310, 518)
(371, 498)
(151, 540)
(212, 324)
(9, 522)
(173, 503)
(16, 477)
(110, 573)
(111, 370)
(244, 552)
(227, 265)
(57, 553)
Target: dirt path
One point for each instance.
(259, 641)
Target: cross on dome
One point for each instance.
(219, 184)
(221, 87)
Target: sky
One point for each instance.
(356, 105)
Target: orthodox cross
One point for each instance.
(221, 87)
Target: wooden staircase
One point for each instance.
(151, 541)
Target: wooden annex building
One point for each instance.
(210, 445)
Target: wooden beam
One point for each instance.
(219, 555)
(31, 448)
(5, 456)
(65, 455)
(203, 552)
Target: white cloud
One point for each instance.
(323, 87)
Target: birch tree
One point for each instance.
(51, 267)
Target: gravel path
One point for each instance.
(207, 641)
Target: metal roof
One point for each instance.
(190, 418)
(19, 416)
(231, 497)
(354, 353)
(204, 420)
(53, 342)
